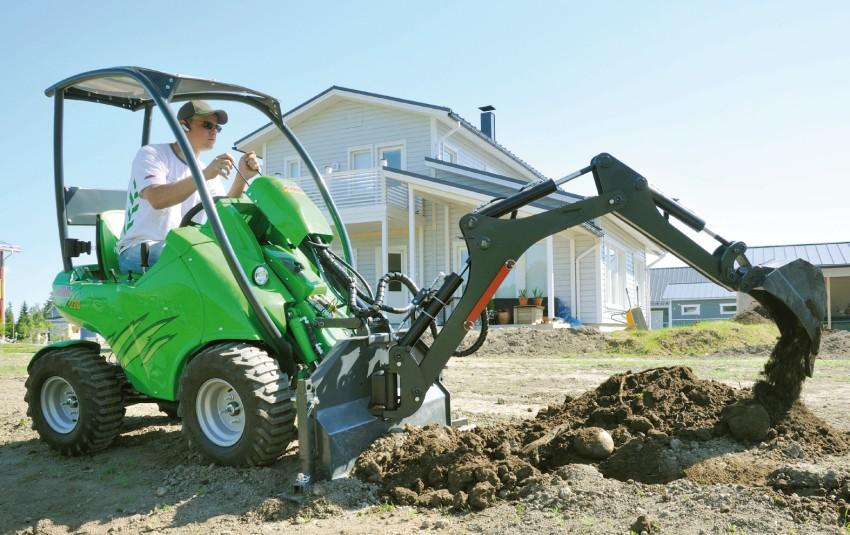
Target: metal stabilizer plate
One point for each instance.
(795, 296)
(340, 426)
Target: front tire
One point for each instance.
(74, 400)
(236, 406)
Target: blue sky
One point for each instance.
(740, 109)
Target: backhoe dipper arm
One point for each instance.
(495, 244)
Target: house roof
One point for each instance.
(430, 108)
(696, 290)
(660, 278)
(835, 254)
(493, 190)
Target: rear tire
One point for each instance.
(74, 400)
(236, 406)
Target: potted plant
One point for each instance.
(523, 297)
(503, 315)
(537, 296)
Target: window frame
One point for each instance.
(286, 163)
(362, 148)
(451, 148)
(620, 254)
(723, 310)
(696, 307)
(402, 145)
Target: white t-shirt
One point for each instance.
(157, 164)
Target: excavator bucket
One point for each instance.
(795, 297)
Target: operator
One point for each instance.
(162, 189)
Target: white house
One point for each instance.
(402, 174)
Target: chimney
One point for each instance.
(488, 121)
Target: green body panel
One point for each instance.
(189, 299)
(288, 209)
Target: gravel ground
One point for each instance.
(147, 482)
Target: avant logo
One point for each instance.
(139, 341)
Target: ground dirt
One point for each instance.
(676, 465)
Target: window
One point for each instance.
(690, 310)
(728, 308)
(360, 159)
(393, 156)
(613, 275)
(293, 168)
(449, 155)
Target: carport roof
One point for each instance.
(696, 290)
(833, 254)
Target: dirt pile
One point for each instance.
(835, 344)
(534, 342)
(755, 314)
(661, 422)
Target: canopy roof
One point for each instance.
(124, 87)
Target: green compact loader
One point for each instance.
(255, 329)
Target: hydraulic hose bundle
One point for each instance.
(363, 303)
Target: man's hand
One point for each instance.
(222, 165)
(249, 165)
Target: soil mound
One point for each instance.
(755, 314)
(835, 344)
(529, 341)
(661, 420)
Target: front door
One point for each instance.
(397, 295)
(657, 320)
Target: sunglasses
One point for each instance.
(209, 125)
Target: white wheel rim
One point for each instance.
(59, 405)
(221, 415)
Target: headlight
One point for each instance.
(261, 275)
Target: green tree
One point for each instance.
(38, 320)
(10, 321)
(24, 324)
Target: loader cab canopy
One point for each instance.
(134, 89)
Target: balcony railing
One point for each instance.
(358, 188)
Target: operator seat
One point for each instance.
(108, 228)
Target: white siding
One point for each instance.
(366, 247)
(588, 277)
(328, 134)
(471, 155)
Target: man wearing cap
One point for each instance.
(162, 189)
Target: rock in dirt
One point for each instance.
(645, 525)
(747, 420)
(481, 495)
(593, 443)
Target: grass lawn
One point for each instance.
(15, 357)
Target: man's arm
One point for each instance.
(164, 195)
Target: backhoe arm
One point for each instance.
(795, 296)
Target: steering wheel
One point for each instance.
(193, 211)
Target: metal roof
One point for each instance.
(660, 278)
(820, 254)
(696, 290)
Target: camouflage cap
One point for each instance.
(201, 108)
